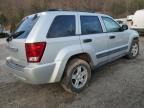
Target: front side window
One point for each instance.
(111, 25)
(90, 25)
(62, 26)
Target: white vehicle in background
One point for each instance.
(138, 21)
(130, 17)
(129, 20)
(121, 21)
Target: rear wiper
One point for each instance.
(14, 35)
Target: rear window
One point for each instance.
(26, 26)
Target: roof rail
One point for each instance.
(72, 10)
(55, 10)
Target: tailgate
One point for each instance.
(16, 49)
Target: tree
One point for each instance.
(136, 5)
(118, 8)
(15, 10)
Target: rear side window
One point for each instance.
(90, 25)
(62, 26)
(25, 27)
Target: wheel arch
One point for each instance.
(135, 38)
(84, 56)
(60, 67)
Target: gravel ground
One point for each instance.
(2, 40)
(119, 84)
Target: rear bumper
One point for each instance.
(33, 75)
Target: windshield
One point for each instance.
(26, 26)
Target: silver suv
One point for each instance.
(65, 46)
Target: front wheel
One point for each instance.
(134, 50)
(77, 76)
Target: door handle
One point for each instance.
(112, 37)
(87, 40)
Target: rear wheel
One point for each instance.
(134, 50)
(77, 76)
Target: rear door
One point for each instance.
(117, 39)
(61, 36)
(16, 46)
(92, 37)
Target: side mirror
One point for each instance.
(124, 27)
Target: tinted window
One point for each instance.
(90, 25)
(111, 25)
(26, 26)
(62, 26)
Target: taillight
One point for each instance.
(34, 51)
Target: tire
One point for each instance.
(76, 76)
(134, 50)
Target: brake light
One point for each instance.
(34, 51)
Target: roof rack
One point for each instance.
(55, 10)
(72, 10)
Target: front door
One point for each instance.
(117, 38)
